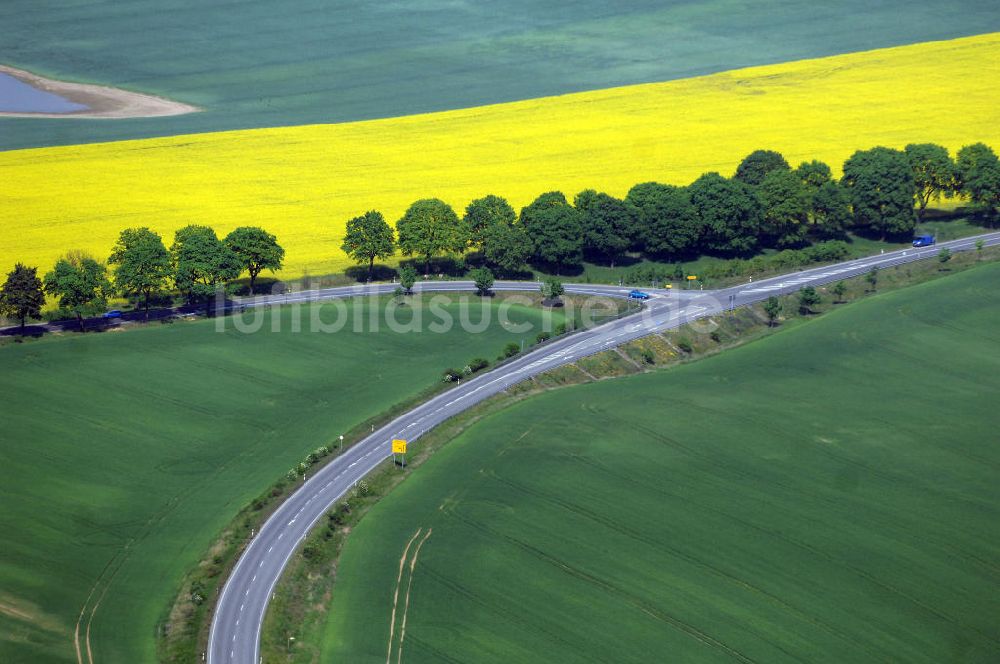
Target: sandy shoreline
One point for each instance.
(102, 102)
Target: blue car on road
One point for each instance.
(636, 294)
(923, 241)
(114, 313)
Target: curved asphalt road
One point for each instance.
(235, 632)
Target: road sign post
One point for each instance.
(399, 447)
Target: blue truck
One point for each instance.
(923, 241)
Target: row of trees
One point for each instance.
(767, 203)
(141, 267)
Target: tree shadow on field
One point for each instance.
(938, 214)
(560, 270)
(517, 275)
(359, 273)
(448, 266)
(461, 266)
(625, 260)
(33, 331)
(263, 286)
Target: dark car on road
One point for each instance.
(638, 295)
(923, 241)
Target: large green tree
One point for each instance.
(367, 238)
(430, 227)
(140, 264)
(202, 263)
(484, 213)
(555, 229)
(933, 173)
(506, 247)
(785, 200)
(493, 227)
(730, 212)
(608, 224)
(829, 211)
(256, 249)
(814, 173)
(22, 296)
(80, 283)
(881, 188)
(828, 208)
(756, 165)
(669, 225)
(977, 172)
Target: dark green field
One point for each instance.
(125, 455)
(826, 494)
(256, 63)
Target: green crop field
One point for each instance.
(125, 454)
(827, 494)
(257, 63)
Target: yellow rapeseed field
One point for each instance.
(303, 183)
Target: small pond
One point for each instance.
(17, 96)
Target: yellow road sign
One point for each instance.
(692, 277)
(398, 446)
(669, 286)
